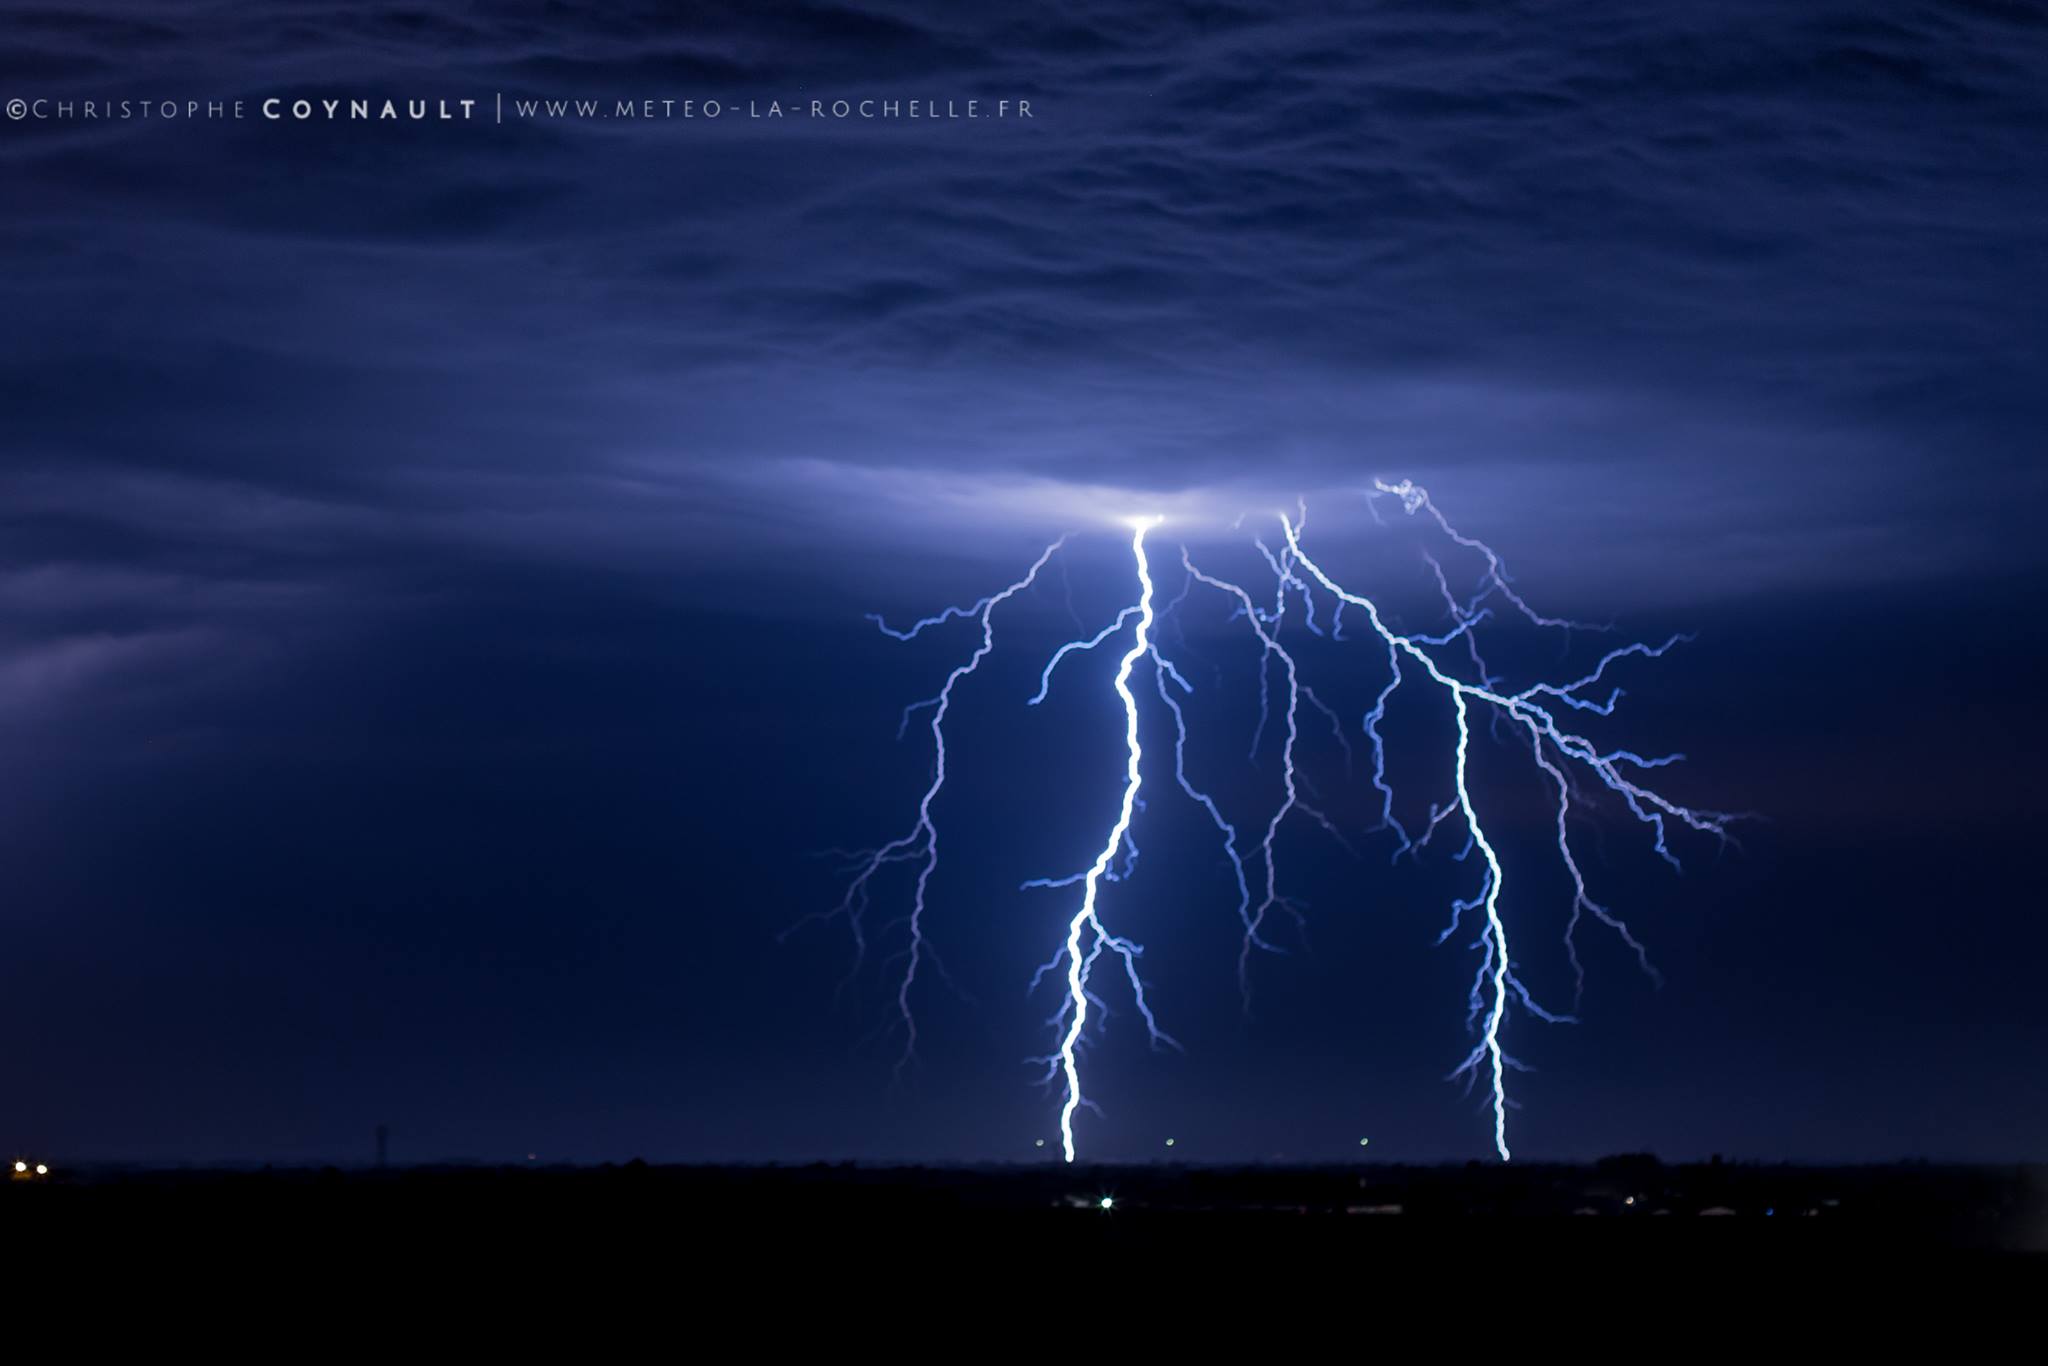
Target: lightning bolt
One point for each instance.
(1266, 628)
(1086, 921)
(921, 844)
(1496, 982)
(1535, 716)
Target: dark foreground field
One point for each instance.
(1626, 1217)
(1265, 1265)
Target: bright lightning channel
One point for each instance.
(1086, 920)
(1534, 712)
(1496, 980)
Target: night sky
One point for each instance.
(433, 558)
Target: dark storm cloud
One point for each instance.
(1747, 282)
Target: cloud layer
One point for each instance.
(1723, 302)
